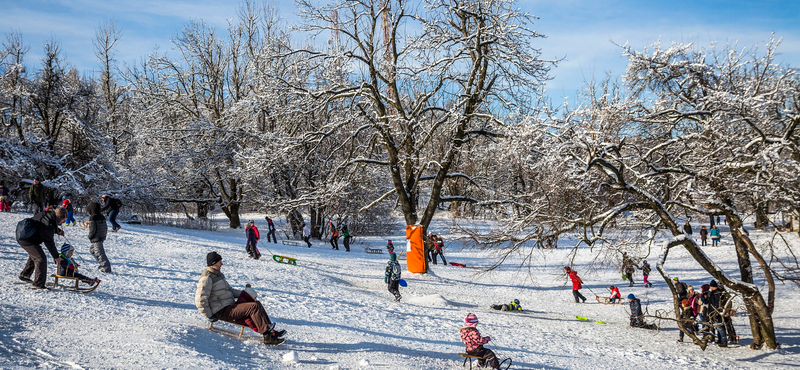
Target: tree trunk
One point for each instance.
(317, 222)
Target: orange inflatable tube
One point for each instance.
(415, 252)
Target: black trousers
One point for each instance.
(347, 243)
(578, 295)
(491, 358)
(394, 287)
(305, 238)
(36, 265)
(272, 234)
(438, 253)
(335, 242)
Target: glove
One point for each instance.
(488, 339)
(213, 318)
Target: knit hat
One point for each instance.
(675, 278)
(392, 256)
(631, 296)
(66, 248)
(567, 269)
(250, 291)
(685, 302)
(713, 284)
(471, 320)
(213, 258)
(690, 287)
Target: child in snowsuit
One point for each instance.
(645, 273)
(67, 204)
(637, 317)
(615, 296)
(68, 268)
(686, 319)
(576, 284)
(392, 276)
(97, 235)
(513, 306)
(252, 240)
(473, 341)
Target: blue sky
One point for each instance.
(580, 32)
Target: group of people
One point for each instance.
(33, 232)
(707, 313)
(434, 246)
(628, 269)
(335, 232)
(704, 233)
(253, 236)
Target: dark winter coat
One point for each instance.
(716, 300)
(703, 233)
(98, 229)
(270, 225)
(3, 191)
(636, 307)
(392, 272)
(687, 319)
(111, 203)
(252, 235)
(646, 268)
(687, 229)
(46, 227)
(680, 288)
(37, 193)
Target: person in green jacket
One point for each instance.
(346, 234)
(37, 194)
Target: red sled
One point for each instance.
(458, 264)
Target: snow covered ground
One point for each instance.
(339, 314)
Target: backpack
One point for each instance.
(26, 230)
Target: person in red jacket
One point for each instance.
(251, 231)
(576, 284)
(473, 341)
(615, 296)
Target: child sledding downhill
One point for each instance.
(392, 276)
(473, 341)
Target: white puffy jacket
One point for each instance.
(213, 292)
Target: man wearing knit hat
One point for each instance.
(715, 313)
(216, 300)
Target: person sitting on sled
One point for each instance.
(216, 300)
(473, 341)
(513, 306)
(68, 267)
(615, 296)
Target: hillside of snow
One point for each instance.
(339, 315)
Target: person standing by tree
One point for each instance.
(576, 284)
(346, 234)
(5, 201)
(112, 205)
(687, 229)
(714, 236)
(716, 306)
(703, 236)
(628, 267)
(271, 231)
(31, 233)
(306, 234)
(37, 194)
(334, 235)
(438, 249)
(680, 289)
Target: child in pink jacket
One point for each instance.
(474, 342)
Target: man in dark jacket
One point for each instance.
(98, 229)
(37, 194)
(716, 313)
(680, 288)
(687, 229)
(271, 231)
(113, 205)
(46, 226)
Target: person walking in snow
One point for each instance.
(5, 200)
(67, 204)
(716, 312)
(306, 234)
(334, 235)
(576, 284)
(271, 231)
(715, 236)
(703, 236)
(473, 342)
(41, 228)
(438, 249)
(216, 300)
(251, 231)
(646, 273)
(112, 205)
(346, 235)
(513, 306)
(37, 194)
(637, 317)
(392, 276)
(628, 267)
(98, 229)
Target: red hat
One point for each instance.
(471, 320)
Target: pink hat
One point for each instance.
(471, 320)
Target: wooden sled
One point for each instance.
(373, 251)
(401, 255)
(77, 281)
(290, 242)
(233, 334)
(284, 259)
(469, 357)
(83, 224)
(607, 300)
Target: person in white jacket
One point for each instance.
(306, 234)
(216, 300)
